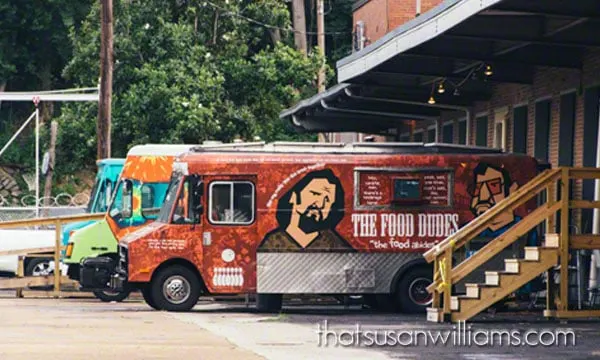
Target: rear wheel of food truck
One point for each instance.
(147, 294)
(175, 288)
(268, 303)
(412, 293)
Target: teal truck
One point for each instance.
(106, 179)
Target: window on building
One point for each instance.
(462, 132)
(231, 202)
(448, 133)
(542, 129)
(591, 122)
(481, 131)
(520, 129)
(431, 135)
(567, 129)
(500, 119)
(418, 137)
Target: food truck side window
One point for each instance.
(231, 202)
(188, 206)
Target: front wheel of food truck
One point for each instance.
(110, 296)
(175, 288)
(147, 294)
(268, 303)
(412, 290)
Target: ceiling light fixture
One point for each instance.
(441, 89)
(488, 70)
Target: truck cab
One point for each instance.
(138, 196)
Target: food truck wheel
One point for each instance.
(175, 288)
(147, 294)
(412, 290)
(268, 303)
(110, 296)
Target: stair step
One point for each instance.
(454, 303)
(474, 290)
(456, 300)
(552, 240)
(532, 253)
(511, 266)
(465, 307)
(435, 315)
(492, 278)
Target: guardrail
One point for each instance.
(57, 279)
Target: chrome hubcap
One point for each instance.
(42, 269)
(417, 291)
(176, 289)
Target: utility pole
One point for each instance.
(299, 18)
(103, 127)
(321, 46)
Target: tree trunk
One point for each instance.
(103, 127)
(299, 20)
(275, 36)
(52, 151)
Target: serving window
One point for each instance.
(390, 187)
(407, 190)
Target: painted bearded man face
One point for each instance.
(491, 186)
(314, 204)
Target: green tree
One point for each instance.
(188, 71)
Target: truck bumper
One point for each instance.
(95, 273)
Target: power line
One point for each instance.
(269, 26)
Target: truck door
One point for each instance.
(229, 233)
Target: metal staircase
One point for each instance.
(517, 272)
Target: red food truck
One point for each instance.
(304, 218)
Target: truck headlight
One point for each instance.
(69, 250)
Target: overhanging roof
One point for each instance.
(453, 43)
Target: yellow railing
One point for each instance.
(21, 281)
(447, 274)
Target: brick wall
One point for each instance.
(382, 16)
(549, 83)
(374, 15)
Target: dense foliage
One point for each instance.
(185, 70)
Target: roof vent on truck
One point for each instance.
(352, 148)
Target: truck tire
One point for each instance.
(147, 294)
(268, 303)
(411, 291)
(38, 266)
(175, 288)
(110, 296)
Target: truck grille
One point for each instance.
(123, 258)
